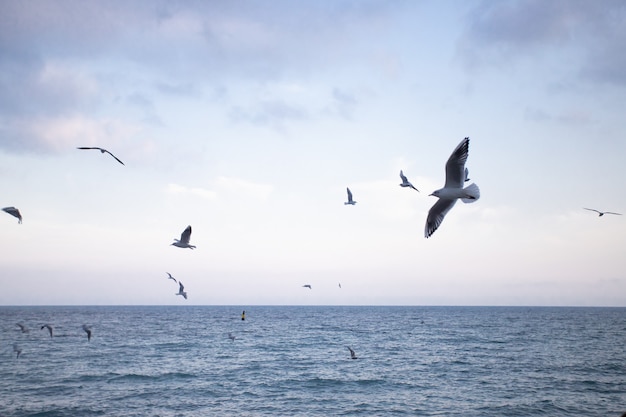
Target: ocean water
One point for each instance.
(294, 361)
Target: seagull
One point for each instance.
(602, 213)
(50, 328)
(231, 336)
(406, 183)
(17, 350)
(102, 150)
(352, 354)
(340, 285)
(350, 200)
(184, 239)
(87, 330)
(181, 290)
(307, 286)
(23, 328)
(452, 190)
(13, 212)
(171, 277)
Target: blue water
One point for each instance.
(294, 361)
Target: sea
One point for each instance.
(294, 361)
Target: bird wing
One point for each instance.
(181, 287)
(610, 212)
(116, 158)
(404, 180)
(89, 147)
(349, 194)
(186, 235)
(436, 215)
(585, 208)
(455, 167)
(12, 211)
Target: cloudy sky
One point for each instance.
(248, 119)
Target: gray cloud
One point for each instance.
(499, 33)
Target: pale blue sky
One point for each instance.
(248, 119)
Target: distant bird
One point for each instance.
(87, 330)
(102, 150)
(602, 213)
(350, 200)
(181, 290)
(17, 350)
(352, 354)
(307, 286)
(340, 285)
(231, 336)
(23, 328)
(466, 174)
(49, 327)
(184, 239)
(14, 212)
(405, 182)
(171, 277)
(452, 190)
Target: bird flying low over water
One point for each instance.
(602, 213)
(102, 150)
(350, 200)
(23, 328)
(184, 239)
(13, 212)
(87, 330)
(49, 327)
(405, 182)
(181, 290)
(171, 277)
(453, 188)
(307, 286)
(352, 354)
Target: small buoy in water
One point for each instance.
(243, 315)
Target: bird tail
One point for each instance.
(472, 192)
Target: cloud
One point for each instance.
(247, 189)
(204, 193)
(273, 113)
(592, 33)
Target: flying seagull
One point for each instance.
(350, 200)
(352, 354)
(13, 212)
(17, 350)
(87, 330)
(602, 213)
(23, 328)
(452, 190)
(340, 285)
(307, 286)
(181, 290)
(184, 239)
(102, 150)
(50, 328)
(171, 277)
(405, 182)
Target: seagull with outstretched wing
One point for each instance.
(102, 150)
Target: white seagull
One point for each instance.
(17, 350)
(184, 239)
(181, 290)
(350, 200)
(453, 189)
(23, 328)
(171, 277)
(352, 354)
(49, 327)
(602, 213)
(102, 150)
(307, 286)
(13, 212)
(405, 182)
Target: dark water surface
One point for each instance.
(294, 361)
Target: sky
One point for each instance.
(248, 119)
